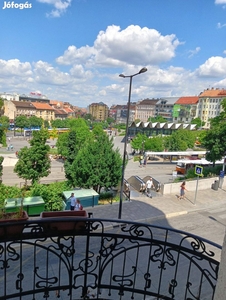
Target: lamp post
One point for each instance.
(143, 70)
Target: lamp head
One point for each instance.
(122, 75)
(143, 70)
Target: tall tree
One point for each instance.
(35, 122)
(77, 138)
(215, 139)
(97, 165)
(21, 122)
(34, 162)
(138, 142)
(180, 140)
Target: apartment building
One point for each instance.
(44, 111)
(210, 104)
(99, 111)
(145, 108)
(17, 108)
(164, 108)
(9, 96)
(185, 109)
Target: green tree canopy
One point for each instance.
(60, 123)
(180, 140)
(154, 144)
(35, 121)
(198, 122)
(34, 162)
(97, 165)
(156, 119)
(139, 141)
(215, 139)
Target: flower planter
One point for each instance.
(72, 225)
(13, 222)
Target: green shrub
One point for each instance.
(106, 195)
(51, 194)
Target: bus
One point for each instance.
(185, 164)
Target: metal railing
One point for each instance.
(68, 258)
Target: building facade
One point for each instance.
(164, 108)
(210, 105)
(145, 109)
(17, 108)
(185, 109)
(99, 111)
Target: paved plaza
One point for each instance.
(140, 208)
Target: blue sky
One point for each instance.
(74, 50)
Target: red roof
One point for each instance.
(187, 100)
(213, 93)
(42, 106)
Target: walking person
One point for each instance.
(73, 200)
(149, 185)
(141, 160)
(145, 161)
(182, 190)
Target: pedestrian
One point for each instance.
(141, 160)
(182, 190)
(149, 185)
(78, 205)
(145, 161)
(73, 200)
(9, 139)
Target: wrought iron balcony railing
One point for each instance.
(104, 259)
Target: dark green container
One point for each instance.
(32, 205)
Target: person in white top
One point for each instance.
(149, 185)
(73, 200)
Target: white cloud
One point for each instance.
(44, 73)
(14, 67)
(115, 47)
(219, 25)
(134, 45)
(60, 7)
(73, 55)
(220, 1)
(214, 67)
(193, 52)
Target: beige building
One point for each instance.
(99, 111)
(210, 104)
(17, 108)
(44, 111)
(145, 109)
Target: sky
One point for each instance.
(74, 50)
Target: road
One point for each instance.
(161, 171)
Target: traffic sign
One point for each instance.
(198, 170)
(221, 174)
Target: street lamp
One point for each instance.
(143, 70)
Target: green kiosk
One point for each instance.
(88, 197)
(32, 205)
